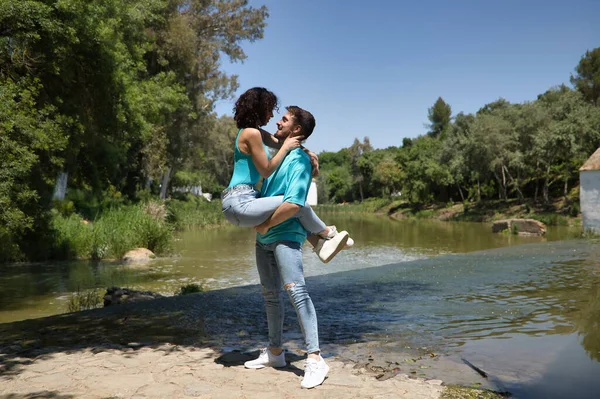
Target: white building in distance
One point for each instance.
(312, 197)
(589, 193)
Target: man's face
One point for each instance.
(286, 126)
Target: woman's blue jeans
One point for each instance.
(280, 265)
(244, 208)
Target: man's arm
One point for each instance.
(295, 195)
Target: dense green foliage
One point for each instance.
(530, 151)
(118, 96)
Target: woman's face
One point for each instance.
(268, 116)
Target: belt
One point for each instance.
(239, 187)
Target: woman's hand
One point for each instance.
(290, 144)
(314, 161)
(262, 228)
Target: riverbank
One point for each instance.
(154, 224)
(115, 230)
(173, 347)
(558, 213)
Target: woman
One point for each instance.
(241, 203)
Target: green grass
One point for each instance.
(424, 214)
(189, 289)
(370, 205)
(550, 219)
(116, 231)
(111, 235)
(456, 392)
(194, 213)
(84, 300)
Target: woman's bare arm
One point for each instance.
(252, 143)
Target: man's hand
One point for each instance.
(262, 228)
(314, 161)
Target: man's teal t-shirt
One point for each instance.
(292, 180)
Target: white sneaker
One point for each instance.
(266, 359)
(328, 247)
(314, 373)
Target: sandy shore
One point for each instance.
(195, 346)
(171, 371)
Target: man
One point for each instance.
(279, 253)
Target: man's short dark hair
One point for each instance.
(304, 119)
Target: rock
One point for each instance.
(118, 296)
(138, 255)
(525, 227)
(500, 225)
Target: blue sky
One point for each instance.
(374, 68)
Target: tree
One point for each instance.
(424, 174)
(440, 116)
(30, 139)
(358, 168)
(114, 93)
(563, 141)
(339, 184)
(389, 175)
(191, 38)
(214, 155)
(454, 154)
(587, 77)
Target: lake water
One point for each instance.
(526, 310)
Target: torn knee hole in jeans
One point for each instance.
(288, 286)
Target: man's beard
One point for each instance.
(280, 135)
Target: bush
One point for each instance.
(193, 212)
(114, 233)
(64, 207)
(73, 236)
(574, 209)
(9, 249)
(551, 219)
(91, 204)
(424, 214)
(84, 300)
(370, 205)
(189, 289)
(119, 230)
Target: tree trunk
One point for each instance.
(545, 194)
(165, 184)
(537, 189)
(546, 188)
(360, 190)
(60, 187)
(462, 197)
(502, 188)
(519, 193)
(566, 188)
(478, 190)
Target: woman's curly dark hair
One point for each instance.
(252, 107)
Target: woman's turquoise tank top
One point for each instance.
(244, 171)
